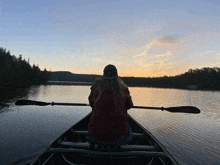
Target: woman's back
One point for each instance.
(110, 100)
(106, 99)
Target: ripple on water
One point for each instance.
(184, 135)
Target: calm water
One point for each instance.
(194, 139)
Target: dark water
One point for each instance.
(26, 131)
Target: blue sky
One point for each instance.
(141, 38)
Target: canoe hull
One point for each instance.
(72, 148)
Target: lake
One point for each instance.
(193, 139)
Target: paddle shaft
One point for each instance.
(143, 107)
(184, 109)
(70, 104)
(81, 104)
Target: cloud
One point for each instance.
(164, 55)
(168, 40)
(145, 51)
(157, 58)
(156, 45)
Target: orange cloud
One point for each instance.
(168, 40)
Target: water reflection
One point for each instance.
(160, 97)
(57, 93)
(28, 130)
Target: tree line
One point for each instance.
(205, 78)
(18, 73)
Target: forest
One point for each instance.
(18, 73)
(204, 79)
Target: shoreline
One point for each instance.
(69, 83)
(140, 86)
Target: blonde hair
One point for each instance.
(117, 86)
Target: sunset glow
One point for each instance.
(141, 38)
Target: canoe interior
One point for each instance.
(142, 149)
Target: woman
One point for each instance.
(110, 99)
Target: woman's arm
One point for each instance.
(94, 93)
(129, 102)
(91, 97)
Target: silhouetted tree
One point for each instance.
(17, 72)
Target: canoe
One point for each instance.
(72, 147)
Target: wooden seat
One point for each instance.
(86, 145)
(86, 133)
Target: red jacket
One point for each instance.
(109, 118)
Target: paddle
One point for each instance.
(183, 109)
(40, 103)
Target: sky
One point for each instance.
(142, 38)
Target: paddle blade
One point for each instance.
(184, 109)
(31, 102)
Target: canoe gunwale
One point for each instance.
(148, 133)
